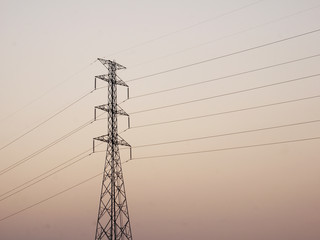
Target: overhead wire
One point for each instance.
(162, 156)
(228, 148)
(226, 94)
(225, 55)
(46, 120)
(38, 179)
(248, 5)
(173, 69)
(52, 196)
(227, 36)
(219, 78)
(126, 49)
(47, 92)
(184, 28)
(228, 112)
(226, 134)
(53, 143)
(289, 141)
(87, 67)
(225, 77)
(229, 134)
(46, 174)
(130, 48)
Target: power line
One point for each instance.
(227, 112)
(47, 92)
(46, 176)
(226, 94)
(229, 35)
(225, 77)
(221, 78)
(226, 149)
(16, 164)
(226, 55)
(161, 156)
(126, 49)
(46, 120)
(100, 175)
(227, 134)
(176, 142)
(141, 146)
(184, 29)
(39, 177)
(140, 44)
(53, 196)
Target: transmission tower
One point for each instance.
(113, 217)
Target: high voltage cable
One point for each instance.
(45, 176)
(227, 134)
(39, 179)
(226, 149)
(226, 55)
(225, 77)
(16, 164)
(140, 146)
(161, 156)
(227, 36)
(165, 35)
(140, 44)
(46, 199)
(46, 147)
(45, 121)
(143, 158)
(226, 94)
(220, 78)
(126, 49)
(202, 151)
(46, 92)
(185, 28)
(227, 112)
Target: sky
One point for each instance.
(250, 169)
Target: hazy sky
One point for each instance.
(48, 53)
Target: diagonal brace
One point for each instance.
(119, 141)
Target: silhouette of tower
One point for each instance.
(113, 217)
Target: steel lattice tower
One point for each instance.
(113, 217)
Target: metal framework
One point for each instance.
(113, 217)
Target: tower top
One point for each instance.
(109, 62)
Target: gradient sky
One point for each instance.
(48, 53)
